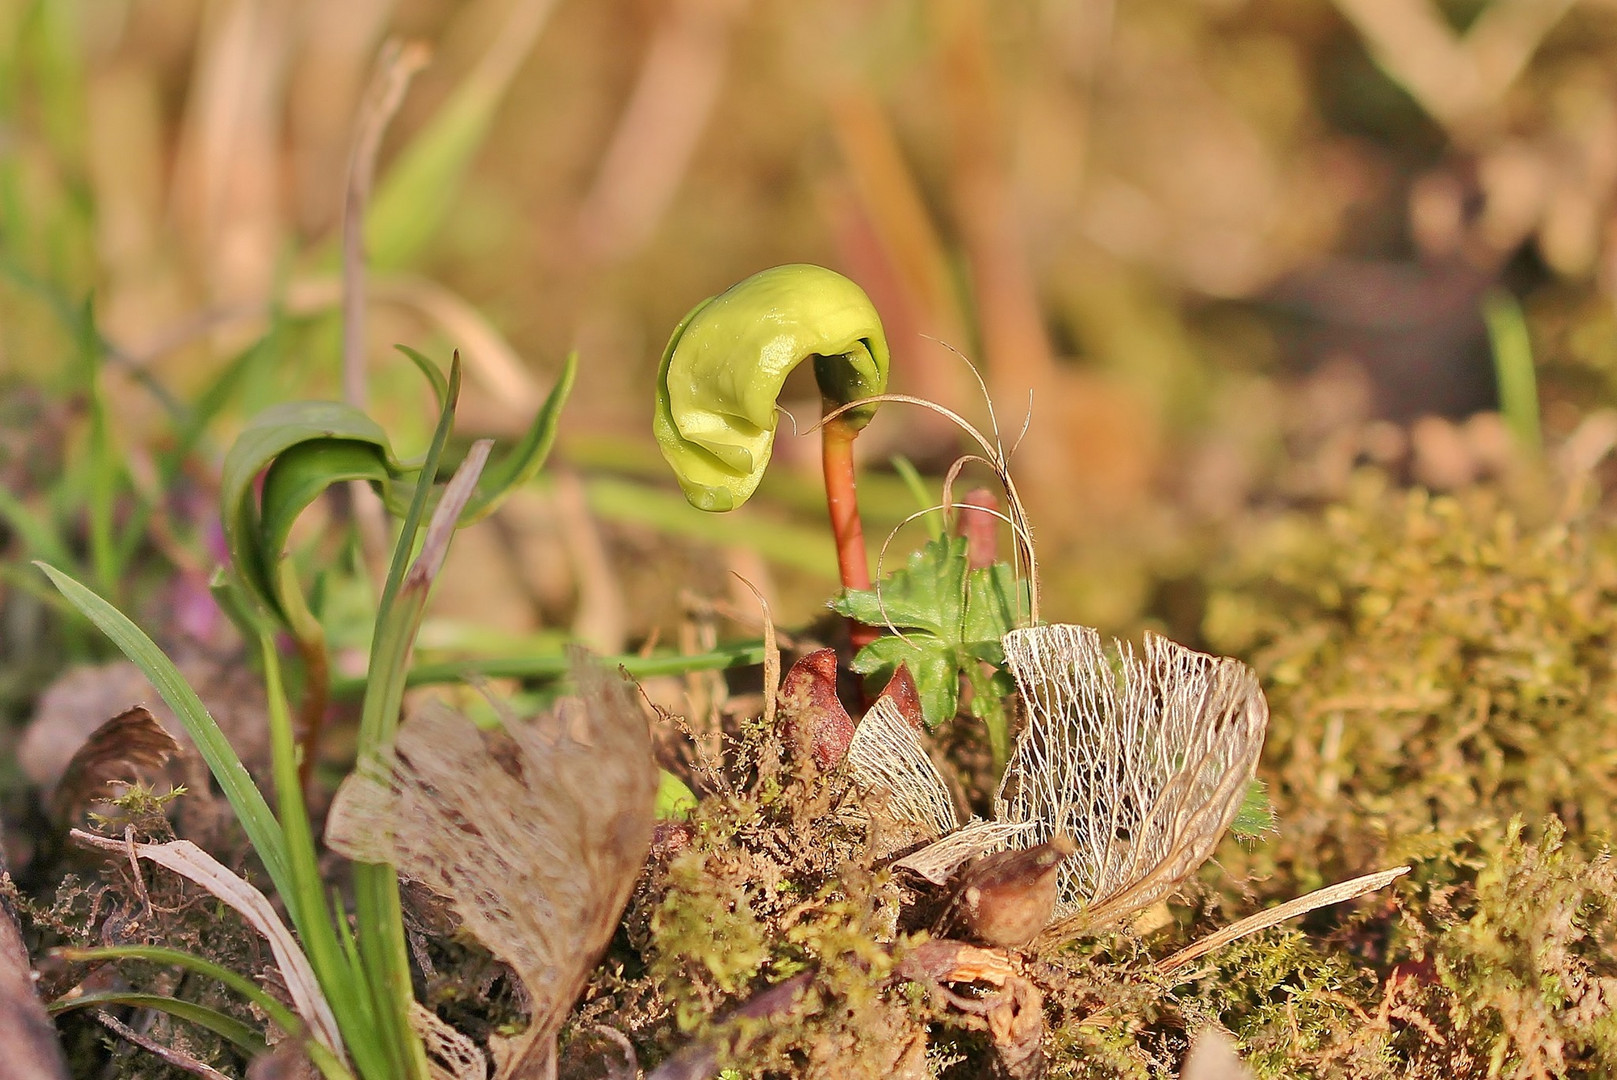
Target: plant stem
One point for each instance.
(842, 500)
(312, 710)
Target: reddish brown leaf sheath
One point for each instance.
(901, 688)
(813, 719)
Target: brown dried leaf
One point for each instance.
(131, 741)
(535, 836)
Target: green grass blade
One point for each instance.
(376, 885)
(525, 459)
(1513, 369)
(38, 535)
(279, 1015)
(434, 377)
(245, 799)
(781, 542)
(233, 1031)
(341, 980)
(911, 476)
(554, 665)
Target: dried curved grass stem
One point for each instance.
(534, 835)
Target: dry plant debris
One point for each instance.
(535, 835)
(130, 742)
(1143, 764)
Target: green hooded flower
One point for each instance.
(725, 365)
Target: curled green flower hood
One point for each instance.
(728, 359)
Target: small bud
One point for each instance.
(813, 719)
(901, 690)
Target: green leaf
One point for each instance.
(727, 360)
(675, 800)
(299, 476)
(256, 539)
(950, 617)
(501, 478)
(933, 663)
(233, 1031)
(303, 448)
(1256, 817)
(927, 593)
(435, 377)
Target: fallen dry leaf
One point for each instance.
(128, 743)
(535, 836)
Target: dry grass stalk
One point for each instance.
(1332, 894)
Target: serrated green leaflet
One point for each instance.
(950, 616)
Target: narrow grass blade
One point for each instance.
(263, 831)
(190, 861)
(233, 1031)
(1513, 369)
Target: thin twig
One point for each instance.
(397, 65)
(1331, 894)
(176, 1058)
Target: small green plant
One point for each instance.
(950, 618)
(363, 976)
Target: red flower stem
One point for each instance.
(842, 499)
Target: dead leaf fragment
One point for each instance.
(535, 836)
(130, 742)
(1212, 1057)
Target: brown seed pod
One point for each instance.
(1006, 898)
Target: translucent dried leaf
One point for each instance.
(535, 836)
(891, 767)
(1143, 763)
(904, 791)
(450, 1055)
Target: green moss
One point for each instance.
(1509, 968)
(1431, 663)
(773, 887)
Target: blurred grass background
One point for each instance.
(1225, 251)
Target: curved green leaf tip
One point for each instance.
(728, 359)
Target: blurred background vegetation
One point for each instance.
(1221, 252)
(1308, 304)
